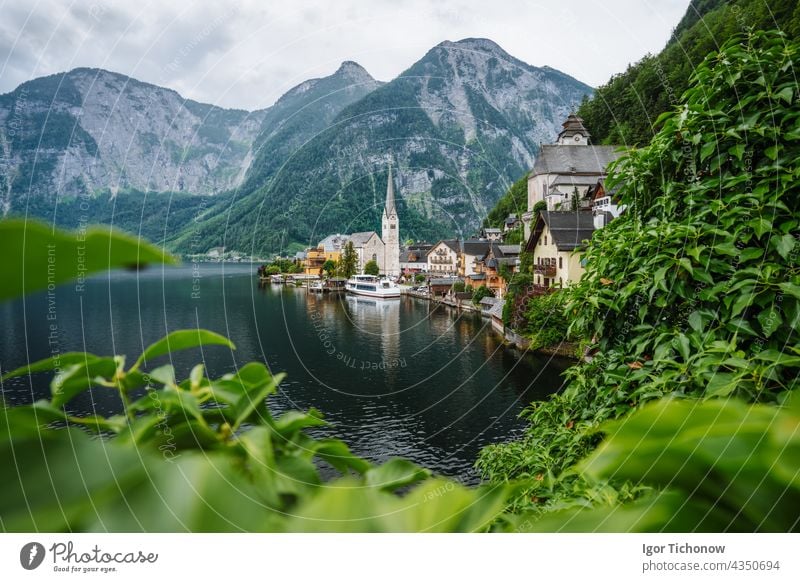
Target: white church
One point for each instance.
(383, 249)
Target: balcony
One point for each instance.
(545, 270)
(440, 260)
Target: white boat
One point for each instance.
(316, 287)
(372, 286)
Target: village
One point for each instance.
(566, 203)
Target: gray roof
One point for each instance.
(359, 239)
(476, 247)
(509, 249)
(389, 208)
(569, 229)
(444, 281)
(333, 242)
(454, 244)
(489, 300)
(413, 257)
(574, 159)
(576, 180)
(497, 310)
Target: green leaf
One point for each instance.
(254, 398)
(182, 340)
(394, 474)
(39, 256)
(791, 289)
(60, 361)
(79, 377)
(785, 245)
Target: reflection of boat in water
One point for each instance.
(372, 286)
(277, 279)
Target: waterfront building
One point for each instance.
(443, 258)
(556, 241)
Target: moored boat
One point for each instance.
(372, 286)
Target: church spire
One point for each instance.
(389, 208)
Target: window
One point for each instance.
(560, 262)
(374, 257)
(545, 241)
(393, 226)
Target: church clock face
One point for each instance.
(577, 138)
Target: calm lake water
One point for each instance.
(393, 377)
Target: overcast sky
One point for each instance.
(247, 53)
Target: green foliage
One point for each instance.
(514, 201)
(419, 278)
(372, 268)
(719, 465)
(546, 319)
(627, 108)
(45, 257)
(459, 287)
(329, 267)
(701, 270)
(480, 293)
(349, 261)
(694, 289)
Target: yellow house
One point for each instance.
(315, 259)
(556, 241)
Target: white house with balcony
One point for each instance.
(443, 258)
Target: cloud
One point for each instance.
(246, 54)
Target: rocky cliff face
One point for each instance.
(90, 130)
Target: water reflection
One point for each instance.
(397, 377)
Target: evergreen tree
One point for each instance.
(349, 263)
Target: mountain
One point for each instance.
(459, 126)
(89, 131)
(625, 110)
(94, 146)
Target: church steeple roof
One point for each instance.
(572, 126)
(389, 208)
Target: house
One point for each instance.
(414, 260)
(498, 260)
(369, 247)
(471, 252)
(564, 172)
(443, 258)
(441, 286)
(215, 252)
(511, 222)
(492, 234)
(555, 242)
(605, 207)
(316, 258)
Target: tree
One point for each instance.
(371, 268)
(458, 287)
(329, 267)
(480, 293)
(419, 278)
(349, 262)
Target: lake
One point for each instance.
(395, 377)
